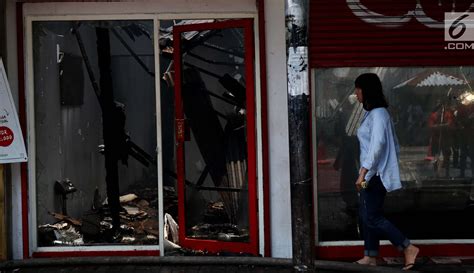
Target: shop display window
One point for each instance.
(433, 112)
(209, 132)
(95, 136)
(97, 160)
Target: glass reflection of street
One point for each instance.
(433, 113)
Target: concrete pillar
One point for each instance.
(299, 134)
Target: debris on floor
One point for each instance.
(222, 232)
(216, 226)
(171, 230)
(60, 234)
(139, 223)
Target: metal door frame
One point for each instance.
(249, 59)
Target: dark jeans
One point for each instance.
(374, 225)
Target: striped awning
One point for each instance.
(432, 79)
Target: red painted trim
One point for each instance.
(355, 252)
(312, 145)
(22, 117)
(265, 157)
(179, 115)
(251, 131)
(60, 254)
(311, 159)
(211, 245)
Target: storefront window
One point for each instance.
(214, 102)
(95, 133)
(433, 112)
(212, 116)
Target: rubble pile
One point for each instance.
(59, 234)
(139, 224)
(216, 226)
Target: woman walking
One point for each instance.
(379, 172)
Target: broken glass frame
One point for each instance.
(95, 133)
(213, 95)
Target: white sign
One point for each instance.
(298, 71)
(12, 146)
(459, 30)
(459, 26)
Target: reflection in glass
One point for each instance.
(433, 112)
(95, 133)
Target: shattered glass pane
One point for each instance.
(95, 133)
(170, 197)
(214, 103)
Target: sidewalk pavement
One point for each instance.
(214, 265)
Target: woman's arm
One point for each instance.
(378, 140)
(377, 145)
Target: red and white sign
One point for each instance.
(6, 136)
(12, 146)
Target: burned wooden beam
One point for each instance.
(113, 120)
(205, 124)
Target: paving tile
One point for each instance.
(84, 269)
(217, 269)
(240, 269)
(446, 260)
(186, 269)
(103, 269)
(165, 269)
(135, 269)
(443, 264)
(393, 260)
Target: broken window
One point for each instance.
(95, 133)
(210, 127)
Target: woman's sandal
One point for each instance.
(416, 264)
(370, 264)
(409, 266)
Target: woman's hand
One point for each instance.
(360, 182)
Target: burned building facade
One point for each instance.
(161, 128)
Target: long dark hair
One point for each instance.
(372, 92)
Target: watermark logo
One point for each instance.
(459, 30)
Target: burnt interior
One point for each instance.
(95, 118)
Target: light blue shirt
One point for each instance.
(379, 149)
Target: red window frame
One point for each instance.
(249, 59)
